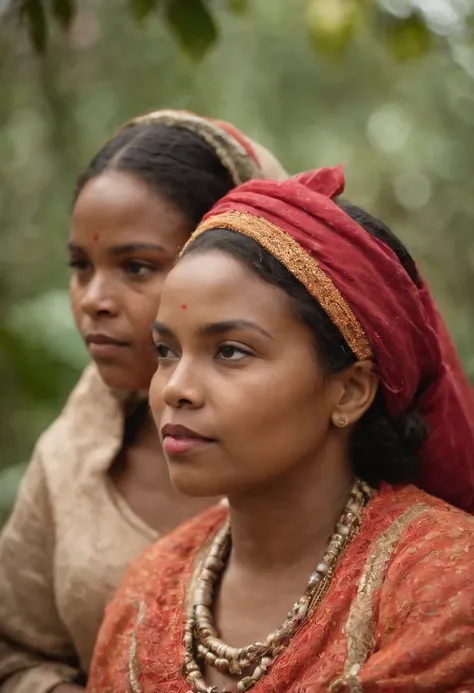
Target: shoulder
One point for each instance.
(436, 539)
(419, 548)
(422, 520)
(409, 526)
(429, 554)
(412, 615)
(85, 434)
(408, 508)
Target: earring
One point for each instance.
(341, 421)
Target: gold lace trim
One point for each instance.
(132, 654)
(360, 626)
(304, 267)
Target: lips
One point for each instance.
(180, 440)
(103, 347)
(98, 338)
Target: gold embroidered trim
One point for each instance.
(305, 268)
(350, 682)
(132, 654)
(360, 626)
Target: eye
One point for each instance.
(136, 268)
(231, 352)
(163, 352)
(79, 264)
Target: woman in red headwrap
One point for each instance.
(305, 373)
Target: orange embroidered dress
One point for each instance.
(398, 614)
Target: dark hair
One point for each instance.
(383, 448)
(175, 162)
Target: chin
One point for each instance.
(120, 378)
(194, 484)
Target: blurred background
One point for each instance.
(385, 88)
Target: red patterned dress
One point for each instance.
(398, 615)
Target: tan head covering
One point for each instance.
(241, 156)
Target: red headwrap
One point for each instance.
(382, 314)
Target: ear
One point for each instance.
(358, 387)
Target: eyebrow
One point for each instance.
(216, 328)
(124, 249)
(229, 325)
(161, 328)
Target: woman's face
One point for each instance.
(239, 371)
(123, 242)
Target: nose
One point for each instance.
(99, 298)
(183, 387)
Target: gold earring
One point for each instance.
(341, 421)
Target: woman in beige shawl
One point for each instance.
(97, 491)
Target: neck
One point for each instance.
(290, 520)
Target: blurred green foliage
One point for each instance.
(405, 25)
(388, 92)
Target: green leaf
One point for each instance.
(193, 25)
(64, 11)
(238, 6)
(32, 11)
(142, 8)
(332, 24)
(406, 39)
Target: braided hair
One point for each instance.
(173, 161)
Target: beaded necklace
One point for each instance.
(202, 644)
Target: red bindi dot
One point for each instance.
(96, 237)
(184, 307)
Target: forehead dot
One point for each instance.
(183, 306)
(95, 237)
